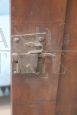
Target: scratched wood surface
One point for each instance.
(67, 91)
(36, 95)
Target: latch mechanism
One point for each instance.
(29, 51)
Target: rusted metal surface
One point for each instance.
(67, 91)
(36, 94)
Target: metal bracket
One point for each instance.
(29, 51)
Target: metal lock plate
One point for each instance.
(28, 52)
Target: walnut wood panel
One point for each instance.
(34, 95)
(67, 91)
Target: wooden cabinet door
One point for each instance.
(36, 94)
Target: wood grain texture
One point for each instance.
(33, 95)
(67, 91)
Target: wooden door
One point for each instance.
(67, 91)
(36, 94)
